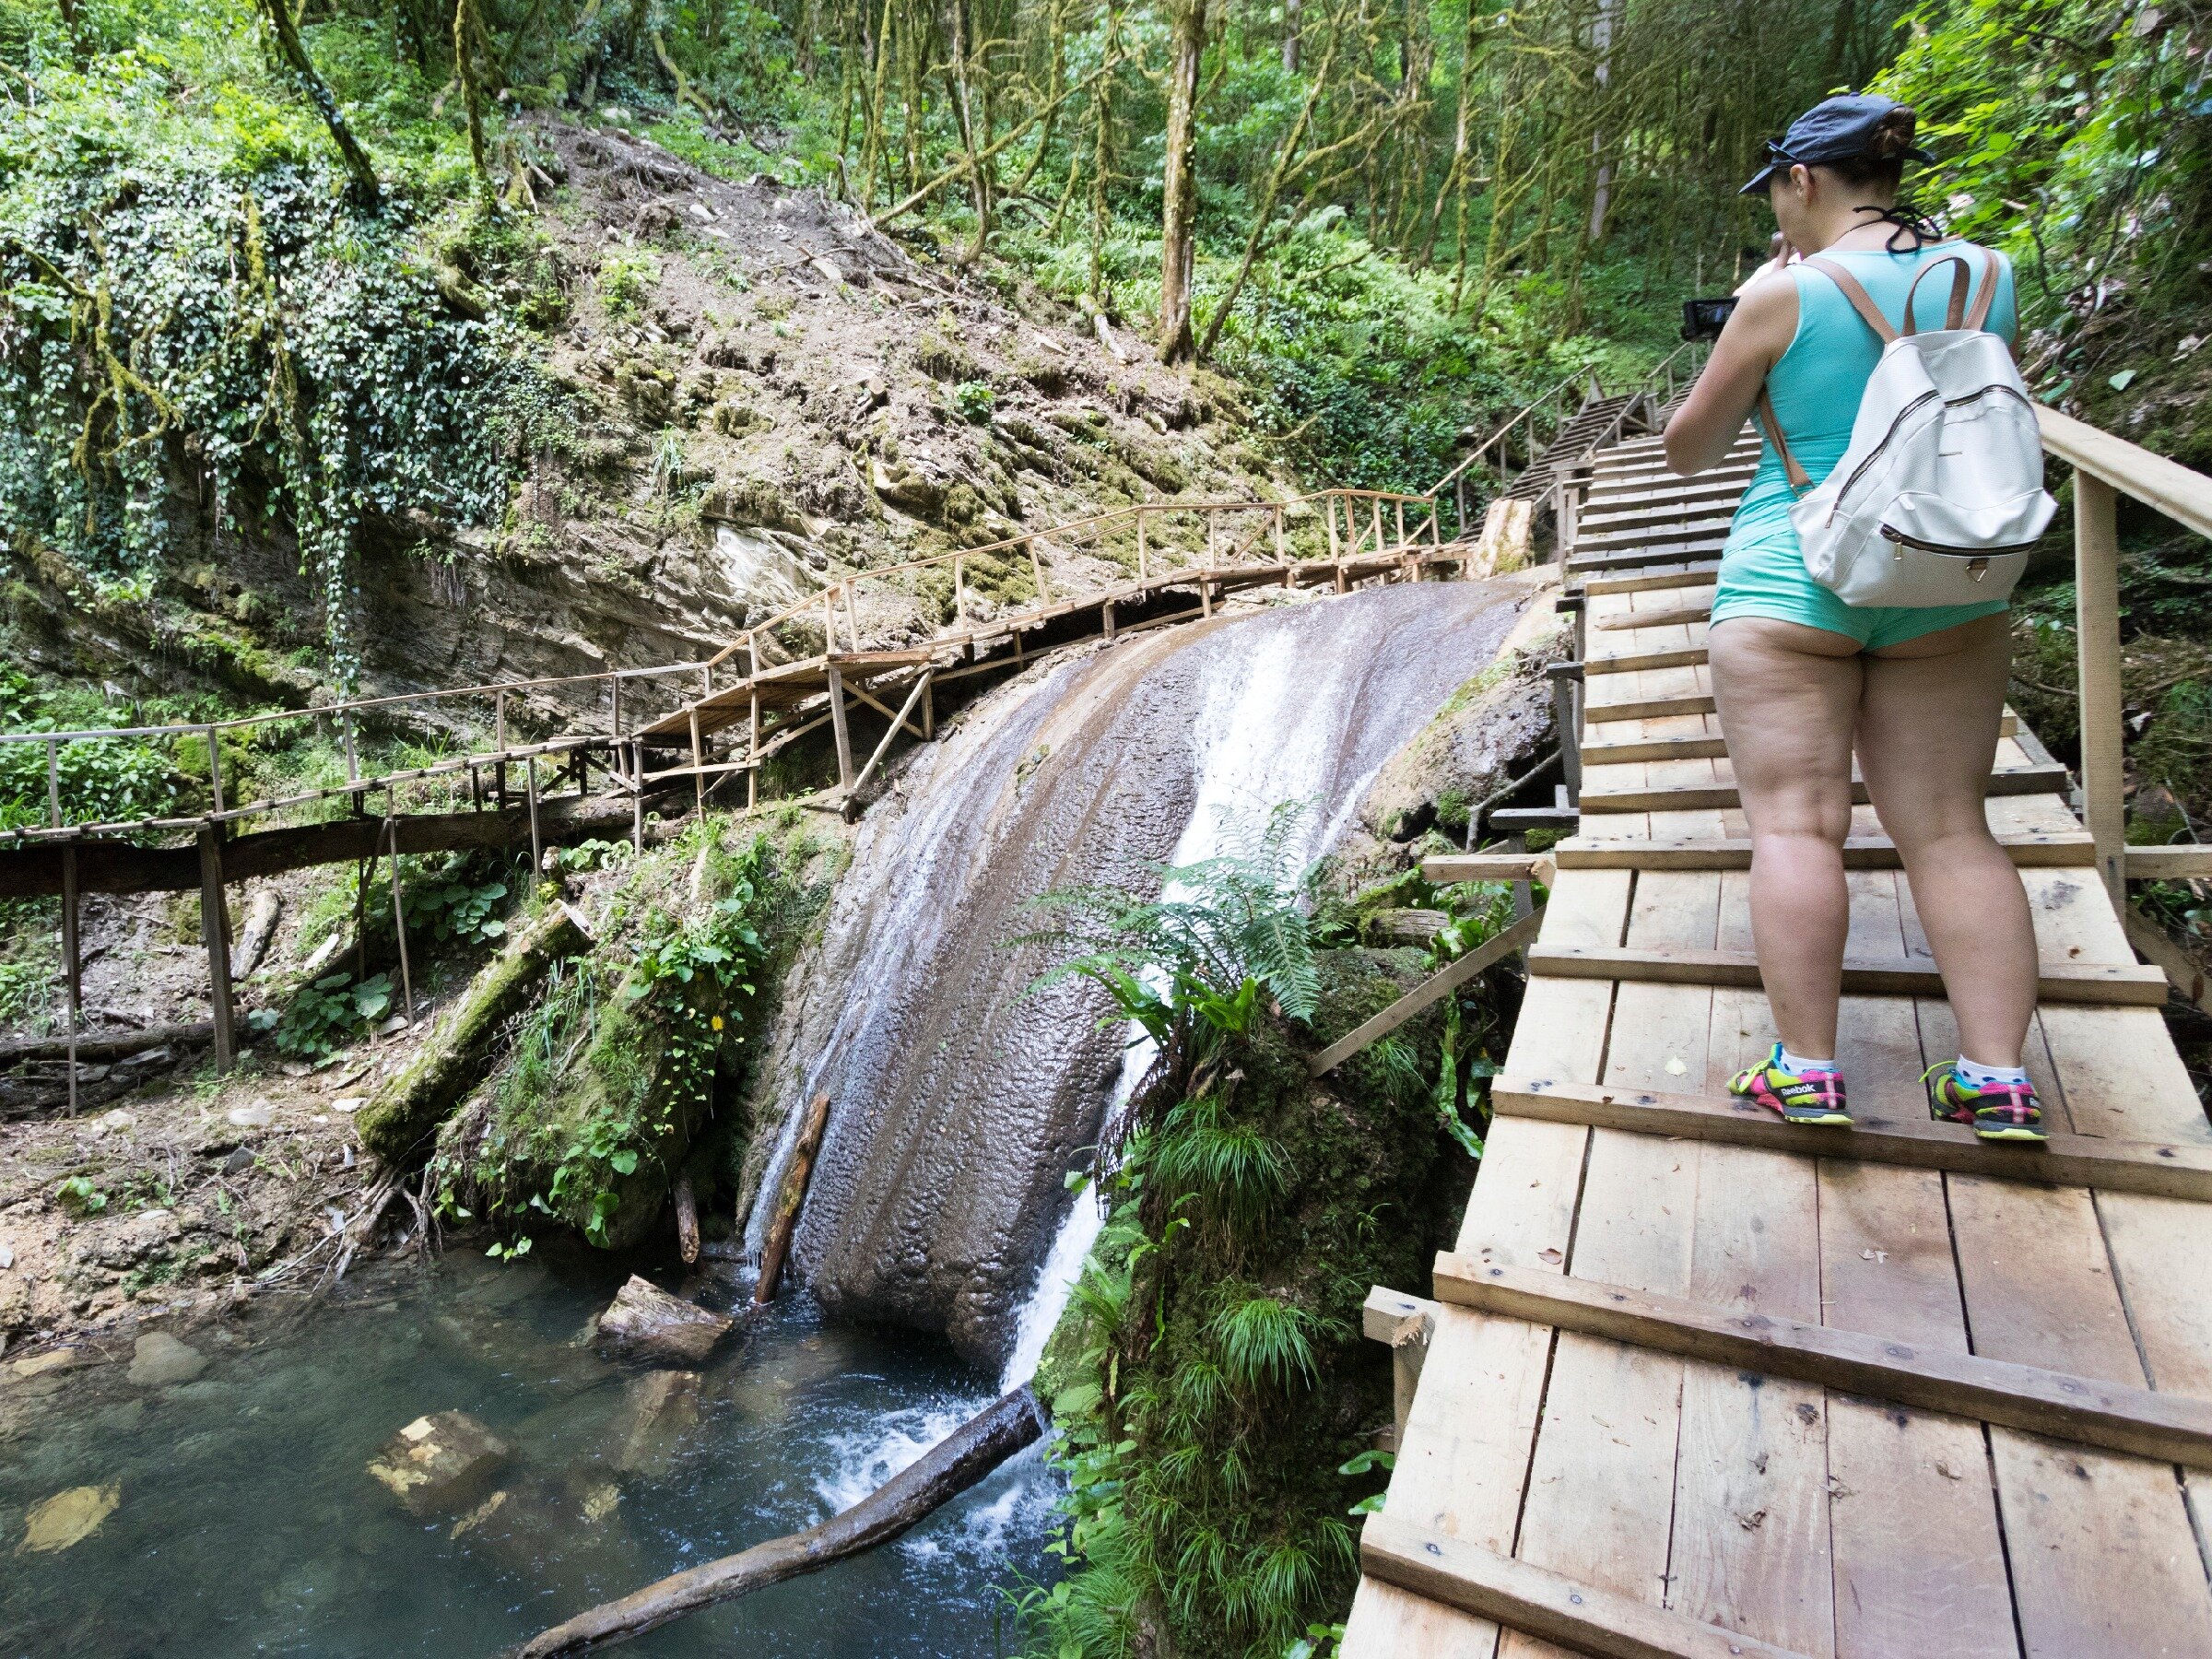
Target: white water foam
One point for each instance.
(863, 1461)
(1263, 737)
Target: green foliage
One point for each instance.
(337, 1009)
(80, 1197)
(626, 278)
(973, 400)
(636, 1049)
(1212, 1396)
(453, 901)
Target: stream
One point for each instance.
(246, 1522)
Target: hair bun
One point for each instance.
(1892, 139)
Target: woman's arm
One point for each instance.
(1704, 428)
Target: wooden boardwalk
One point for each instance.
(1699, 1383)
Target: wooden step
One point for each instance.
(1632, 661)
(2094, 984)
(1657, 552)
(2037, 778)
(1690, 573)
(1629, 492)
(1658, 514)
(1589, 541)
(1680, 616)
(1709, 747)
(2169, 1428)
(1860, 852)
(1909, 1138)
(1578, 1617)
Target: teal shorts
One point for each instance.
(1763, 574)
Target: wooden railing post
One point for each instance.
(214, 933)
(1143, 569)
(1282, 551)
(2097, 638)
(1328, 511)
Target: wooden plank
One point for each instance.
(1429, 990)
(2165, 1428)
(2168, 864)
(1901, 1137)
(1690, 574)
(2032, 778)
(1684, 615)
(1446, 868)
(2101, 984)
(1860, 852)
(1548, 1604)
(1630, 662)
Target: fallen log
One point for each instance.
(253, 939)
(686, 1219)
(407, 1111)
(791, 1197)
(109, 1049)
(943, 1473)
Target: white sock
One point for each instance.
(1797, 1064)
(1976, 1075)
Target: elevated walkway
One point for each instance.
(1700, 1383)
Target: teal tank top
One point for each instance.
(1816, 385)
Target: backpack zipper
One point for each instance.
(1888, 533)
(1875, 454)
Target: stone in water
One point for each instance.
(158, 1359)
(645, 1322)
(439, 1464)
(68, 1518)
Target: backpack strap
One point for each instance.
(1861, 300)
(1800, 480)
(1977, 315)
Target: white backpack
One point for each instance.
(1941, 494)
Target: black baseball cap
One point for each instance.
(1833, 130)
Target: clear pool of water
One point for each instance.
(247, 1523)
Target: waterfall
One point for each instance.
(961, 1097)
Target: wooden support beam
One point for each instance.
(1430, 990)
(1860, 852)
(860, 693)
(73, 964)
(2098, 985)
(1907, 1138)
(1448, 867)
(2180, 968)
(898, 720)
(215, 934)
(836, 723)
(1537, 1602)
(1403, 1324)
(2172, 1428)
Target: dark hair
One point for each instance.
(1883, 162)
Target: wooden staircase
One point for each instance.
(1590, 427)
(1696, 1382)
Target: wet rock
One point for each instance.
(68, 1518)
(158, 1359)
(645, 1322)
(439, 1464)
(657, 1410)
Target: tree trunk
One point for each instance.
(365, 188)
(955, 1463)
(472, 96)
(1179, 204)
(791, 1197)
(1293, 26)
(405, 1113)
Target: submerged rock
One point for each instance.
(439, 1464)
(158, 1359)
(656, 1410)
(645, 1322)
(68, 1518)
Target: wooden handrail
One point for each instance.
(2105, 467)
(2176, 492)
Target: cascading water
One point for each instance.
(960, 1097)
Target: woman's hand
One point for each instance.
(1704, 428)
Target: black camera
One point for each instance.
(1703, 319)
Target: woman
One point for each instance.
(1799, 677)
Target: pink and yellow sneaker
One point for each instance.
(1816, 1096)
(2000, 1112)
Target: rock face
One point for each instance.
(440, 1464)
(158, 1359)
(960, 1100)
(645, 1322)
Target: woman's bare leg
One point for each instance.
(1788, 698)
(1928, 725)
